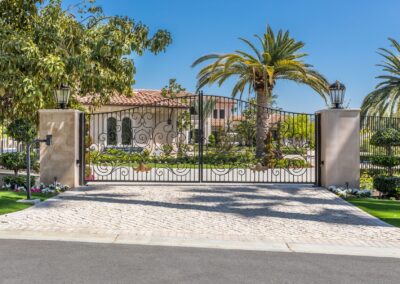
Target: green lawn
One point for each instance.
(8, 201)
(386, 210)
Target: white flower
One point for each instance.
(21, 188)
(332, 188)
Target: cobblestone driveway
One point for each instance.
(221, 212)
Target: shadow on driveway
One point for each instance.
(233, 200)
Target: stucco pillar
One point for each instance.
(340, 147)
(60, 159)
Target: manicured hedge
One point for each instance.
(389, 186)
(385, 161)
(386, 137)
(17, 181)
(118, 157)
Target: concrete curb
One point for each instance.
(392, 251)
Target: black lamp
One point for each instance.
(336, 93)
(61, 96)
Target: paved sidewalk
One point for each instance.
(257, 217)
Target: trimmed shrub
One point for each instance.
(292, 163)
(211, 140)
(366, 180)
(389, 186)
(292, 150)
(385, 161)
(386, 137)
(167, 149)
(17, 181)
(16, 161)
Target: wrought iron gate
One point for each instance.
(199, 139)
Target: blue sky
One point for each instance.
(341, 38)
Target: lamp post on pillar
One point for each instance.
(339, 141)
(63, 160)
(336, 94)
(61, 96)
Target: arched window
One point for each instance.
(111, 131)
(126, 131)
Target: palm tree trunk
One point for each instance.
(262, 126)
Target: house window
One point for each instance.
(193, 110)
(111, 131)
(221, 113)
(126, 131)
(215, 115)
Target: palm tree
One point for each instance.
(278, 59)
(385, 99)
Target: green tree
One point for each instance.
(298, 131)
(16, 161)
(173, 89)
(43, 46)
(246, 127)
(22, 130)
(278, 59)
(385, 99)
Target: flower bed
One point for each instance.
(41, 188)
(350, 192)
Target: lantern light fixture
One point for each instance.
(336, 94)
(61, 96)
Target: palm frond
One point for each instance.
(205, 58)
(253, 47)
(385, 99)
(278, 57)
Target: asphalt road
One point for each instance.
(71, 262)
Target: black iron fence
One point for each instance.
(369, 125)
(199, 139)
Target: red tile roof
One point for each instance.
(141, 97)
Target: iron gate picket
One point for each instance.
(199, 138)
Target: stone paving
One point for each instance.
(289, 213)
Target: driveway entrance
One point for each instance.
(220, 213)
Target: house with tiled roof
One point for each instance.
(150, 115)
(145, 120)
(149, 119)
(140, 98)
